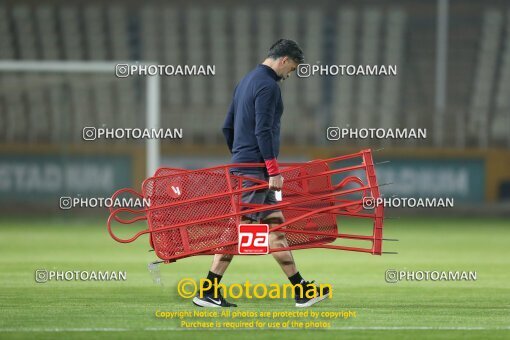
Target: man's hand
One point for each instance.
(276, 182)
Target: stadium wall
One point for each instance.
(26, 173)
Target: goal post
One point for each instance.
(152, 91)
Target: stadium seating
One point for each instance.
(234, 39)
(344, 52)
(501, 120)
(390, 92)
(485, 76)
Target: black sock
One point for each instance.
(295, 279)
(214, 278)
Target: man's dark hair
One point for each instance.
(286, 48)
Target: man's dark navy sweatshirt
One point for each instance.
(252, 126)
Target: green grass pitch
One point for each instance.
(74, 310)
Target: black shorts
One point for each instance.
(261, 196)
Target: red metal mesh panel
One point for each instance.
(195, 212)
(319, 222)
(205, 235)
(193, 237)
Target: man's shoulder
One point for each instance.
(255, 84)
(265, 84)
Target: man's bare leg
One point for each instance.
(286, 262)
(220, 263)
(278, 240)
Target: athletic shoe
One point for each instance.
(208, 300)
(304, 301)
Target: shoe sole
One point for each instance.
(312, 302)
(201, 303)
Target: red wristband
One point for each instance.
(272, 167)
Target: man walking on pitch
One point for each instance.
(252, 132)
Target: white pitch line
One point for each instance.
(375, 328)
